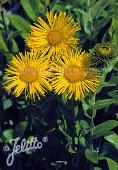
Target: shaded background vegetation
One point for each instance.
(67, 124)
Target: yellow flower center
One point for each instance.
(74, 73)
(55, 37)
(29, 74)
(104, 50)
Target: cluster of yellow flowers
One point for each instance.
(54, 62)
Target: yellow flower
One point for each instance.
(29, 74)
(105, 51)
(74, 75)
(55, 36)
(102, 54)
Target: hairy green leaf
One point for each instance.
(112, 164)
(103, 128)
(92, 155)
(7, 135)
(20, 24)
(28, 9)
(3, 45)
(112, 138)
(15, 48)
(100, 104)
(7, 104)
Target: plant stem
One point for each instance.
(92, 126)
(30, 120)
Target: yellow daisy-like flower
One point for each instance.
(29, 74)
(74, 75)
(55, 36)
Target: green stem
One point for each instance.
(30, 118)
(106, 71)
(91, 140)
(92, 119)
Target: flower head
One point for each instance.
(102, 53)
(55, 36)
(29, 74)
(74, 75)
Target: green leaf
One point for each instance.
(114, 94)
(76, 139)
(84, 124)
(81, 11)
(114, 79)
(47, 2)
(64, 99)
(108, 84)
(101, 24)
(97, 7)
(103, 128)
(76, 110)
(86, 23)
(68, 138)
(7, 135)
(20, 24)
(1, 26)
(28, 9)
(82, 141)
(40, 6)
(58, 7)
(97, 168)
(100, 104)
(6, 19)
(13, 35)
(112, 164)
(9, 56)
(77, 126)
(113, 31)
(70, 149)
(1, 73)
(68, 6)
(112, 138)
(92, 155)
(15, 48)
(7, 104)
(3, 45)
(20, 129)
(30, 139)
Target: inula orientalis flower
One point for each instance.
(74, 75)
(102, 53)
(27, 73)
(54, 36)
